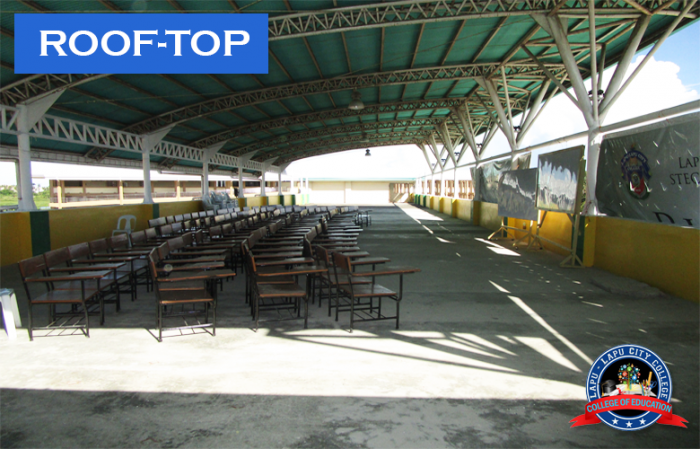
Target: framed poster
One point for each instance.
(516, 194)
(558, 175)
(651, 173)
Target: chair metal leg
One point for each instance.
(397, 314)
(213, 319)
(160, 323)
(31, 321)
(87, 320)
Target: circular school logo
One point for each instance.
(628, 388)
(635, 170)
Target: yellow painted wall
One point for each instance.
(179, 208)
(446, 205)
(273, 200)
(488, 216)
(556, 227)
(666, 257)
(462, 209)
(71, 226)
(15, 237)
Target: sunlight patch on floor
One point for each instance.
(546, 349)
(416, 213)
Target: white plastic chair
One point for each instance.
(125, 228)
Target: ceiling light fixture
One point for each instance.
(356, 104)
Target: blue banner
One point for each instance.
(141, 43)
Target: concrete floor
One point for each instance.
(493, 351)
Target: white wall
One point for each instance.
(349, 192)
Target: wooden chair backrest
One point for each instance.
(102, 245)
(175, 244)
(322, 256)
(238, 225)
(177, 228)
(227, 229)
(165, 230)
(169, 219)
(188, 238)
(179, 218)
(215, 231)
(31, 266)
(187, 216)
(199, 236)
(308, 250)
(187, 225)
(118, 241)
(210, 213)
(311, 235)
(341, 261)
(138, 237)
(79, 251)
(219, 218)
(163, 251)
(151, 233)
(57, 257)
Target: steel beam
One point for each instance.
(524, 70)
(380, 15)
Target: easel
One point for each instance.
(504, 228)
(572, 260)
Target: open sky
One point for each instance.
(670, 79)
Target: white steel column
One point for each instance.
(241, 162)
(29, 114)
(209, 153)
(205, 179)
(280, 169)
(149, 142)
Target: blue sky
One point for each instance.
(683, 48)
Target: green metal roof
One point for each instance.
(412, 61)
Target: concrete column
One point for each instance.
(120, 191)
(279, 183)
(205, 179)
(29, 115)
(455, 190)
(25, 192)
(177, 190)
(59, 194)
(240, 182)
(591, 207)
(147, 196)
(263, 192)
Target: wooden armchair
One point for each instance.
(362, 300)
(58, 263)
(69, 309)
(184, 296)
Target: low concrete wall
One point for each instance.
(27, 234)
(15, 237)
(666, 257)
